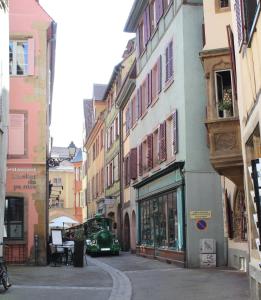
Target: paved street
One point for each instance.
(123, 278)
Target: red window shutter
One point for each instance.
(167, 64)
(150, 151)
(149, 82)
(175, 131)
(148, 21)
(170, 59)
(129, 170)
(159, 10)
(140, 160)
(159, 70)
(145, 28)
(140, 101)
(138, 41)
(233, 59)
(239, 18)
(163, 144)
(133, 163)
(147, 91)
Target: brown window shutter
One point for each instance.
(150, 151)
(175, 131)
(149, 75)
(233, 59)
(140, 101)
(125, 171)
(133, 164)
(170, 59)
(140, 160)
(128, 169)
(145, 24)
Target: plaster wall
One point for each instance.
(4, 107)
(29, 94)
(215, 20)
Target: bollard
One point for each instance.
(36, 248)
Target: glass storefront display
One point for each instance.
(160, 222)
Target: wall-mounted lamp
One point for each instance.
(55, 161)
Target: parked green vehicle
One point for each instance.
(99, 236)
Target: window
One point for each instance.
(116, 168)
(144, 92)
(14, 218)
(250, 8)
(154, 85)
(160, 224)
(144, 157)
(21, 57)
(57, 181)
(169, 61)
(223, 3)
(134, 113)
(224, 94)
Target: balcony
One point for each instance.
(225, 148)
(222, 121)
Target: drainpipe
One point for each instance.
(121, 178)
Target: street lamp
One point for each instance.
(55, 161)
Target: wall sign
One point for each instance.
(200, 214)
(201, 224)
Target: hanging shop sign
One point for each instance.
(200, 214)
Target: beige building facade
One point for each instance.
(223, 126)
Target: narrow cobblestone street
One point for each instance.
(125, 277)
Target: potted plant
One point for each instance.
(79, 239)
(226, 105)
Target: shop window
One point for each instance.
(224, 94)
(159, 221)
(14, 218)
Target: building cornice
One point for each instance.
(134, 15)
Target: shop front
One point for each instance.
(161, 216)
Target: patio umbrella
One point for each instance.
(64, 222)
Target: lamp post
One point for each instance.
(55, 161)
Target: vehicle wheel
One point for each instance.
(5, 281)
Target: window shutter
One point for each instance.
(145, 24)
(138, 41)
(140, 160)
(175, 132)
(149, 79)
(159, 70)
(147, 91)
(133, 163)
(128, 173)
(162, 146)
(150, 151)
(167, 64)
(31, 55)
(233, 59)
(148, 22)
(239, 19)
(159, 10)
(170, 59)
(140, 102)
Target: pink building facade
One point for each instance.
(31, 68)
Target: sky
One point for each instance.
(90, 42)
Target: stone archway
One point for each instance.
(133, 232)
(126, 241)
